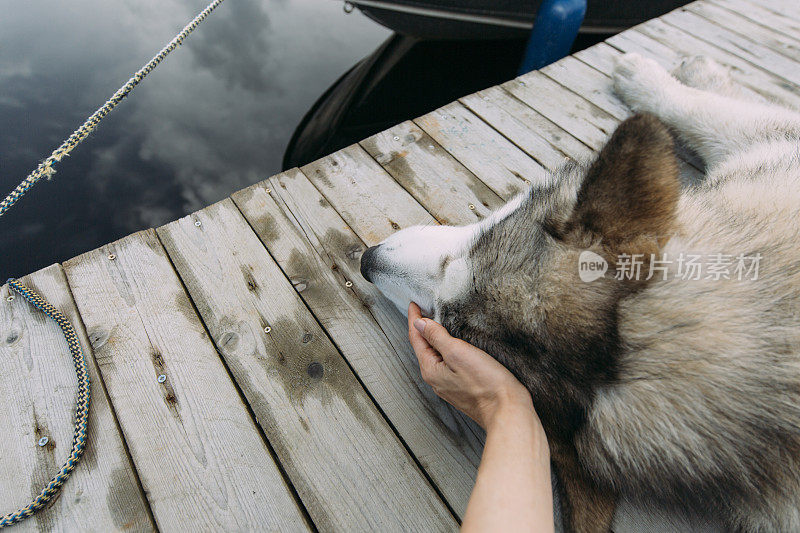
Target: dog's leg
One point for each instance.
(713, 125)
(585, 509)
(702, 72)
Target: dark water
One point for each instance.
(212, 119)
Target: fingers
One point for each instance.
(436, 334)
(427, 357)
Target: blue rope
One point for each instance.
(81, 409)
(46, 170)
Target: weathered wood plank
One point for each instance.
(744, 25)
(600, 56)
(349, 179)
(536, 135)
(763, 15)
(785, 8)
(310, 405)
(747, 49)
(497, 162)
(588, 82)
(669, 46)
(38, 387)
(444, 441)
(579, 117)
(431, 175)
(199, 455)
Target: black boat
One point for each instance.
(497, 19)
(443, 49)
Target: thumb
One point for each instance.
(436, 334)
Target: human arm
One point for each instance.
(512, 491)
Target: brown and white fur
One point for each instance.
(685, 392)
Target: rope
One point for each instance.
(81, 409)
(45, 168)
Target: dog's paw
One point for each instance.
(640, 81)
(702, 72)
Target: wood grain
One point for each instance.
(432, 175)
(539, 137)
(752, 24)
(200, 457)
(447, 444)
(581, 118)
(346, 463)
(349, 178)
(38, 389)
(492, 158)
(763, 15)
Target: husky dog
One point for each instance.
(680, 389)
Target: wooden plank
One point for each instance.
(740, 23)
(536, 135)
(576, 115)
(591, 84)
(311, 406)
(199, 455)
(785, 8)
(431, 175)
(669, 46)
(737, 44)
(350, 178)
(38, 387)
(445, 442)
(762, 14)
(600, 56)
(506, 169)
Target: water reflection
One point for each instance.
(213, 118)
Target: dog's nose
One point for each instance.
(368, 261)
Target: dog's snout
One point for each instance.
(368, 262)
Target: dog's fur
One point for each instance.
(684, 391)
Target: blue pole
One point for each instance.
(554, 30)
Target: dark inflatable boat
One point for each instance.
(494, 19)
(442, 50)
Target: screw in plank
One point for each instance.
(348, 283)
(162, 378)
(198, 223)
(267, 329)
(43, 441)
(111, 257)
(269, 191)
(472, 206)
(396, 138)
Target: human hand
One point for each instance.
(466, 377)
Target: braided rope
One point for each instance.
(45, 168)
(81, 409)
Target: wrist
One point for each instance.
(509, 404)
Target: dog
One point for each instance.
(679, 389)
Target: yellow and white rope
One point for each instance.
(45, 168)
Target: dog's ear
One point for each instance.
(629, 195)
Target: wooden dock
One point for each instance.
(292, 400)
